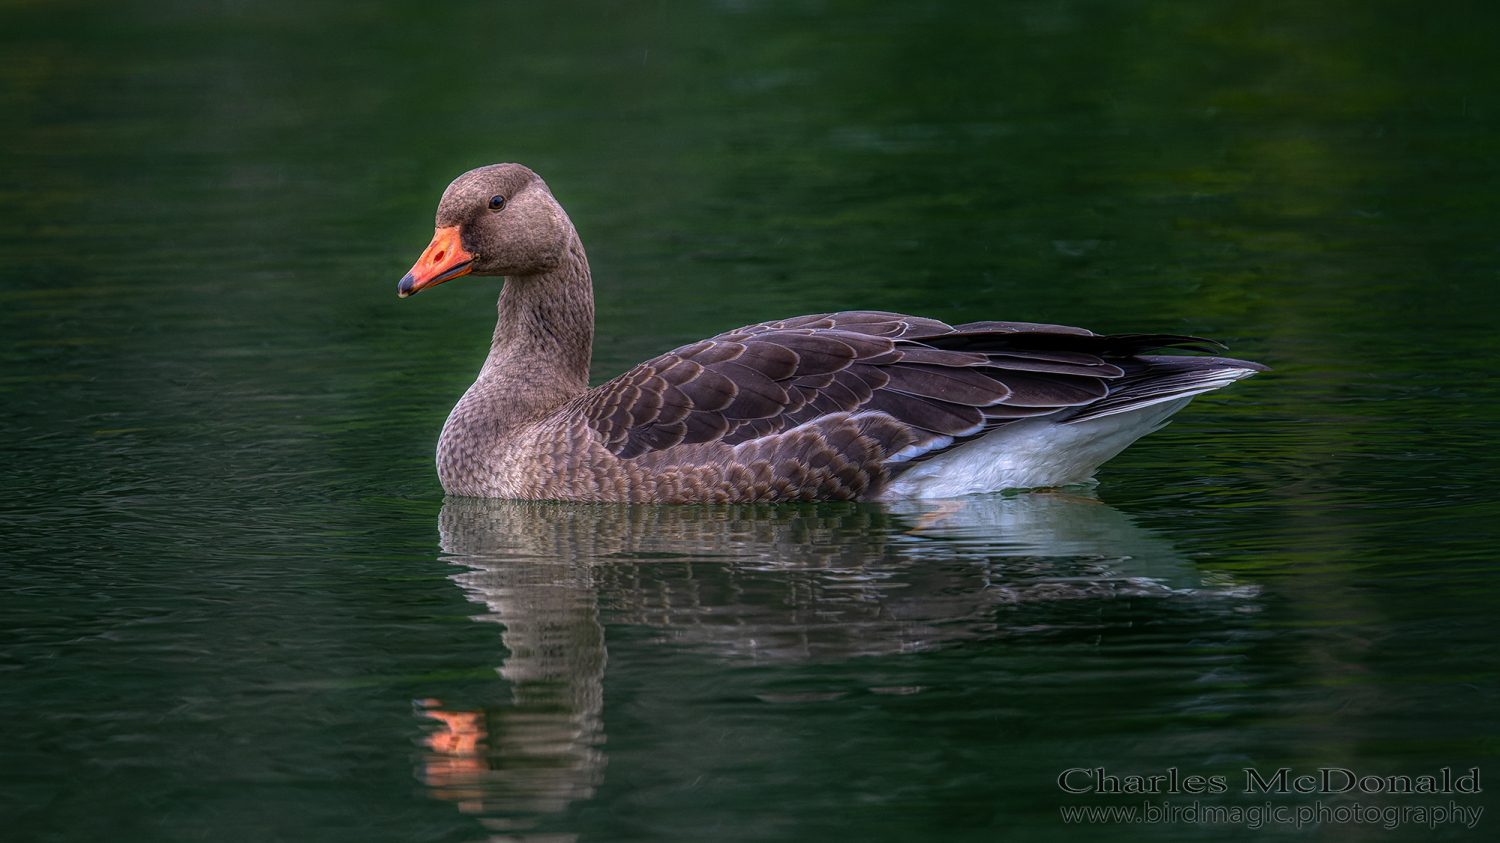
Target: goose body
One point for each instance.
(859, 405)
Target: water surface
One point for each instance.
(236, 605)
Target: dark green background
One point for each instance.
(223, 581)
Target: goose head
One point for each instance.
(496, 220)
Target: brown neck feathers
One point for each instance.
(543, 338)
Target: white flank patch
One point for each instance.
(911, 452)
(1031, 453)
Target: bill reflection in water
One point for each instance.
(754, 584)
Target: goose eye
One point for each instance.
(497, 202)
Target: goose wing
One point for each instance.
(945, 383)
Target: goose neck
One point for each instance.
(545, 331)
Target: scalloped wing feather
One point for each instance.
(944, 385)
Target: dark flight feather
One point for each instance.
(942, 384)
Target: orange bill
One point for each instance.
(443, 259)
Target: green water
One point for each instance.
(236, 606)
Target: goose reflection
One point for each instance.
(748, 584)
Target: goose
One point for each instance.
(856, 405)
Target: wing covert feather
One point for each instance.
(945, 383)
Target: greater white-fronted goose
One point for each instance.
(859, 405)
